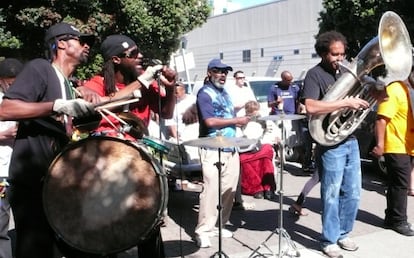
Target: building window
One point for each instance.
(262, 52)
(296, 51)
(278, 58)
(221, 56)
(246, 56)
(314, 55)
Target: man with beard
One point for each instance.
(339, 165)
(42, 100)
(122, 74)
(216, 116)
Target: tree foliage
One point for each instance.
(156, 25)
(358, 19)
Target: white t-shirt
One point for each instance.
(180, 107)
(6, 146)
(239, 97)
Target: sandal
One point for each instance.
(297, 210)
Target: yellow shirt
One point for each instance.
(399, 132)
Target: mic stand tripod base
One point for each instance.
(280, 230)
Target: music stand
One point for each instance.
(220, 142)
(280, 230)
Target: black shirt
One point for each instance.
(38, 140)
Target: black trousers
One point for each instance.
(399, 170)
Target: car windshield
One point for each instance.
(261, 89)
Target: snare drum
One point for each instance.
(104, 195)
(156, 144)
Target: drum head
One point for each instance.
(104, 195)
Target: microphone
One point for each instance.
(163, 92)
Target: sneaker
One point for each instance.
(332, 251)
(203, 240)
(225, 233)
(347, 244)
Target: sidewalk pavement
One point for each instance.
(252, 228)
(255, 230)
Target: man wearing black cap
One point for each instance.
(123, 72)
(43, 102)
(216, 116)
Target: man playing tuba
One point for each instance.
(338, 165)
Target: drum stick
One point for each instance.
(114, 103)
(114, 116)
(129, 96)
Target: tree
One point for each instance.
(156, 25)
(358, 19)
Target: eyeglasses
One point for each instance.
(221, 71)
(133, 53)
(240, 78)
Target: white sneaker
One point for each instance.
(225, 233)
(332, 251)
(347, 244)
(203, 240)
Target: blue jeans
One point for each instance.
(340, 170)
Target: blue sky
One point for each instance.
(248, 3)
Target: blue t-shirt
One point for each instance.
(289, 96)
(214, 102)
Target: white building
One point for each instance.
(262, 40)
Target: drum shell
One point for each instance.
(103, 195)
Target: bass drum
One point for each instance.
(104, 195)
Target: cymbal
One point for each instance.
(218, 142)
(282, 117)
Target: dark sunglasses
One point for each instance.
(130, 54)
(222, 71)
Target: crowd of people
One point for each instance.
(38, 112)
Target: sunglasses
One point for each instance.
(130, 54)
(240, 78)
(220, 71)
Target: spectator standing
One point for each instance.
(183, 102)
(9, 68)
(394, 130)
(339, 166)
(239, 93)
(42, 100)
(216, 114)
(283, 96)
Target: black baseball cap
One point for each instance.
(115, 45)
(66, 29)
